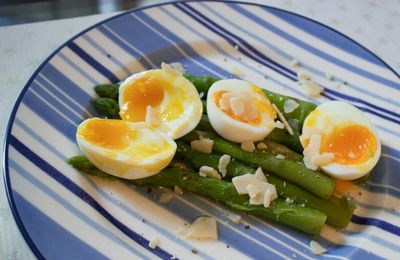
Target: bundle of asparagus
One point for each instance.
(306, 199)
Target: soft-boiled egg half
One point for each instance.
(239, 111)
(341, 140)
(163, 98)
(125, 149)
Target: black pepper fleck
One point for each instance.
(227, 246)
(143, 220)
(194, 251)
(360, 193)
(247, 227)
(108, 55)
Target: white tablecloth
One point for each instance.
(373, 23)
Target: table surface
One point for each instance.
(372, 23)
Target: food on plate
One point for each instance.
(202, 228)
(124, 149)
(313, 181)
(341, 140)
(338, 210)
(171, 99)
(305, 219)
(236, 154)
(239, 111)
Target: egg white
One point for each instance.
(178, 91)
(147, 153)
(337, 113)
(229, 128)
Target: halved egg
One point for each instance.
(239, 110)
(162, 97)
(341, 140)
(125, 149)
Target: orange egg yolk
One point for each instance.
(139, 94)
(107, 133)
(351, 144)
(229, 112)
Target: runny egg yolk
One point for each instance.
(229, 112)
(139, 94)
(107, 133)
(351, 144)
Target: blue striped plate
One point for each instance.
(64, 214)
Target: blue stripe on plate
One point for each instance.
(96, 65)
(126, 46)
(69, 101)
(159, 49)
(68, 206)
(327, 94)
(188, 53)
(76, 67)
(53, 239)
(326, 34)
(80, 193)
(98, 47)
(42, 110)
(207, 208)
(67, 111)
(40, 139)
(105, 195)
(73, 90)
(329, 57)
(377, 223)
(136, 215)
(288, 57)
(265, 60)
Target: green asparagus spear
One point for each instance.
(107, 90)
(338, 210)
(305, 219)
(312, 181)
(107, 107)
(283, 137)
(272, 147)
(202, 83)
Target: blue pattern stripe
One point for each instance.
(284, 55)
(328, 57)
(45, 100)
(72, 208)
(82, 194)
(190, 212)
(263, 59)
(99, 67)
(377, 223)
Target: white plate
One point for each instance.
(65, 214)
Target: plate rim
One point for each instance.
(11, 119)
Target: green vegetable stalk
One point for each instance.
(312, 181)
(203, 83)
(302, 218)
(273, 148)
(107, 107)
(107, 90)
(338, 210)
(283, 137)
